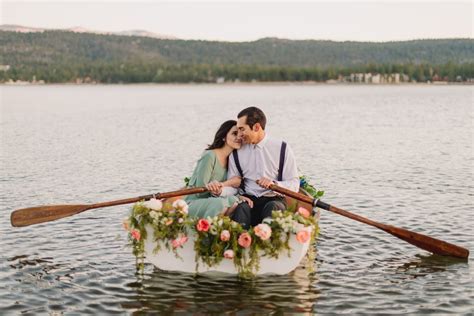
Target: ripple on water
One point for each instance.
(399, 155)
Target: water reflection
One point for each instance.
(40, 270)
(169, 292)
(423, 265)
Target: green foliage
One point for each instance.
(59, 56)
(315, 193)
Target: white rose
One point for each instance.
(213, 230)
(268, 220)
(181, 205)
(154, 204)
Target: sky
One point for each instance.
(349, 20)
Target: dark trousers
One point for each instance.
(262, 208)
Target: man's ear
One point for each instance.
(256, 127)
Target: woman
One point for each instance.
(211, 171)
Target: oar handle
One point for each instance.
(295, 195)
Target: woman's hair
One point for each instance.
(219, 139)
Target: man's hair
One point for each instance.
(254, 115)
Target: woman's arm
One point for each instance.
(202, 173)
(224, 188)
(232, 182)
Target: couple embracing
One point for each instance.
(239, 167)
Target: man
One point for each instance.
(261, 162)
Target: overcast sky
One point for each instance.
(248, 21)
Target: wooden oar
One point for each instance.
(41, 214)
(428, 243)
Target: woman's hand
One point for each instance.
(242, 199)
(245, 199)
(214, 187)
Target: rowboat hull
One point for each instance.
(166, 259)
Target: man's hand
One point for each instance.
(215, 187)
(265, 183)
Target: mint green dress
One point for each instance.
(202, 205)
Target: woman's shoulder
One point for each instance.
(208, 153)
(208, 156)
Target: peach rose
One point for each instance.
(245, 240)
(303, 236)
(135, 234)
(229, 254)
(263, 231)
(304, 212)
(169, 222)
(178, 242)
(126, 224)
(225, 235)
(203, 225)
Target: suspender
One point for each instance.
(282, 161)
(280, 166)
(239, 168)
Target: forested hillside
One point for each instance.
(59, 56)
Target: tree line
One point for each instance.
(60, 56)
(142, 72)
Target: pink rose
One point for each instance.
(225, 235)
(303, 236)
(135, 234)
(203, 225)
(178, 242)
(245, 240)
(304, 212)
(229, 254)
(175, 243)
(184, 239)
(263, 231)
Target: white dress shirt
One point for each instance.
(263, 160)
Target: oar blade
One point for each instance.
(428, 243)
(41, 214)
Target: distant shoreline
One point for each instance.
(259, 83)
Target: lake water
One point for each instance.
(401, 155)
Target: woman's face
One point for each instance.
(232, 138)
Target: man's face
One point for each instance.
(246, 134)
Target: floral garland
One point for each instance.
(219, 238)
